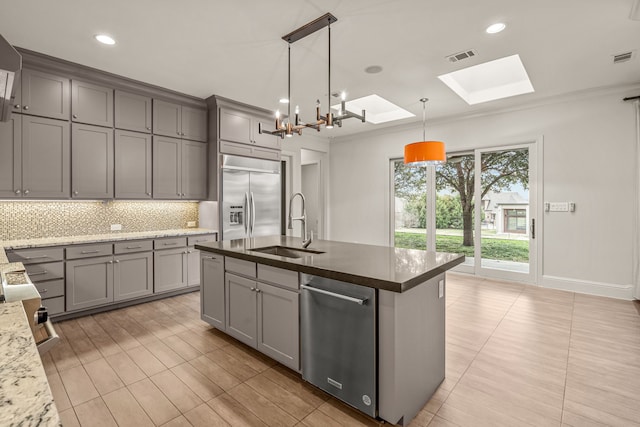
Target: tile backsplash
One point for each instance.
(35, 219)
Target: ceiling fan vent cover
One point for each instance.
(462, 55)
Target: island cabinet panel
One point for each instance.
(194, 170)
(11, 158)
(212, 295)
(89, 282)
(91, 104)
(91, 162)
(241, 313)
(278, 325)
(44, 94)
(132, 112)
(170, 269)
(132, 276)
(45, 158)
(133, 165)
(167, 168)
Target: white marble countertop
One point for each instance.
(94, 238)
(25, 397)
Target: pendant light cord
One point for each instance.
(424, 118)
(329, 88)
(289, 86)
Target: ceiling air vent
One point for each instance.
(461, 55)
(623, 57)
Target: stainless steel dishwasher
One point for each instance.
(339, 340)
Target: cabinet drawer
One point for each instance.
(174, 242)
(51, 288)
(194, 240)
(87, 251)
(31, 256)
(278, 276)
(54, 305)
(240, 266)
(132, 246)
(46, 271)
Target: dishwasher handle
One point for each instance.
(335, 295)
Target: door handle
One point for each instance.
(533, 228)
(253, 212)
(247, 214)
(333, 294)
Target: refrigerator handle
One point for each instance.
(253, 213)
(247, 214)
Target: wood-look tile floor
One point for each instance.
(516, 355)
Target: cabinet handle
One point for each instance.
(39, 273)
(26, 191)
(109, 262)
(258, 290)
(178, 194)
(26, 107)
(18, 191)
(16, 106)
(148, 128)
(44, 291)
(170, 244)
(134, 247)
(36, 257)
(117, 261)
(210, 257)
(75, 116)
(75, 193)
(189, 252)
(178, 133)
(253, 289)
(90, 252)
(148, 194)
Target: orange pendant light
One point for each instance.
(425, 152)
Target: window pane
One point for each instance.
(410, 189)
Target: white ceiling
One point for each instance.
(234, 48)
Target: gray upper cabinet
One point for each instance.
(242, 127)
(11, 158)
(194, 170)
(132, 112)
(179, 121)
(92, 162)
(45, 158)
(167, 168)
(212, 298)
(132, 165)
(89, 282)
(44, 94)
(132, 276)
(91, 104)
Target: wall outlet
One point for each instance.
(116, 227)
(191, 224)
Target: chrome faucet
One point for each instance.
(303, 218)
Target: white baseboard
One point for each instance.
(611, 290)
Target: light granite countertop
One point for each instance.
(25, 397)
(95, 238)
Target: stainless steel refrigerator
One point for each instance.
(251, 197)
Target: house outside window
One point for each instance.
(515, 221)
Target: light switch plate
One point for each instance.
(559, 207)
(440, 288)
(191, 224)
(116, 227)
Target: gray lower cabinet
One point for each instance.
(193, 267)
(92, 162)
(91, 104)
(170, 269)
(132, 112)
(45, 158)
(212, 299)
(11, 158)
(194, 170)
(132, 276)
(44, 94)
(242, 309)
(133, 165)
(89, 282)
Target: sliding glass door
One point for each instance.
(480, 204)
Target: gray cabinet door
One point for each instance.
(91, 162)
(45, 94)
(193, 267)
(194, 124)
(91, 104)
(45, 158)
(212, 301)
(167, 118)
(170, 269)
(11, 158)
(194, 170)
(235, 126)
(241, 309)
(264, 139)
(167, 168)
(132, 165)
(132, 112)
(278, 325)
(89, 282)
(132, 275)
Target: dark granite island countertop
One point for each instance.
(381, 267)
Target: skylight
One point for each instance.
(378, 109)
(492, 80)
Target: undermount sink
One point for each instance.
(286, 252)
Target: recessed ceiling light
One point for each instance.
(489, 81)
(284, 101)
(495, 28)
(373, 69)
(105, 39)
(379, 110)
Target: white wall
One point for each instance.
(588, 159)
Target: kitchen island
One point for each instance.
(267, 291)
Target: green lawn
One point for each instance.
(499, 249)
